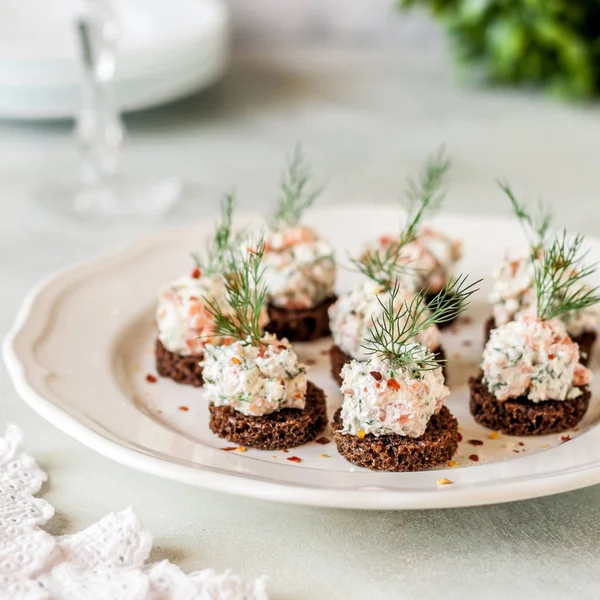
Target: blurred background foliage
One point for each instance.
(554, 44)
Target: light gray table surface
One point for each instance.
(366, 119)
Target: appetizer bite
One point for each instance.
(184, 324)
(258, 392)
(393, 416)
(532, 380)
(300, 267)
(353, 314)
(431, 254)
(514, 290)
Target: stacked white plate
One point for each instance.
(167, 50)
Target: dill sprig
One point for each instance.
(424, 195)
(536, 226)
(383, 268)
(245, 293)
(222, 242)
(558, 279)
(423, 198)
(392, 333)
(296, 195)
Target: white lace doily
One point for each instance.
(105, 561)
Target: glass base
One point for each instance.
(116, 197)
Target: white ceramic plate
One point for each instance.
(167, 50)
(82, 346)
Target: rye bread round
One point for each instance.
(339, 358)
(585, 341)
(182, 369)
(521, 416)
(300, 325)
(430, 298)
(399, 453)
(282, 429)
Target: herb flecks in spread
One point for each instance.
(430, 254)
(514, 290)
(402, 384)
(255, 379)
(534, 356)
(256, 374)
(300, 267)
(185, 325)
(398, 404)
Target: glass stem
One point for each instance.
(99, 129)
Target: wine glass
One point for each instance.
(103, 190)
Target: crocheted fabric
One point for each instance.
(105, 561)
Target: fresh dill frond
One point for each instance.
(536, 226)
(384, 267)
(558, 279)
(392, 334)
(245, 293)
(296, 194)
(424, 195)
(222, 242)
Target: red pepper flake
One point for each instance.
(564, 438)
(196, 273)
(150, 378)
(475, 442)
(550, 356)
(294, 459)
(285, 450)
(376, 375)
(521, 443)
(184, 408)
(230, 448)
(459, 437)
(516, 451)
(392, 383)
(466, 343)
(473, 457)
(322, 440)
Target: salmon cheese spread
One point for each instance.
(299, 268)
(255, 379)
(533, 359)
(184, 324)
(382, 399)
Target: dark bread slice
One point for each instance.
(436, 446)
(282, 429)
(182, 369)
(521, 416)
(300, 325)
